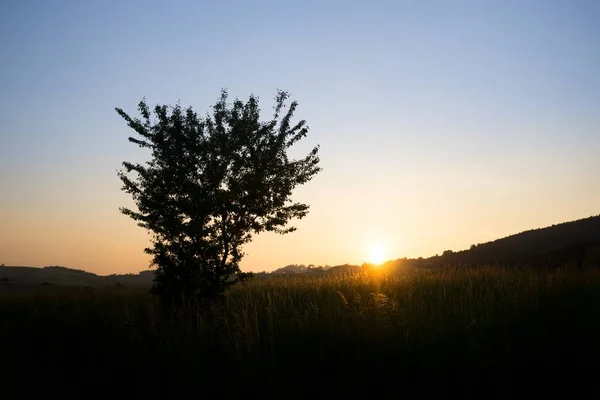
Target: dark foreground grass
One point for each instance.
(486, 333)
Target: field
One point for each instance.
(485, 332)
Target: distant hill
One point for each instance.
(344, 269)
(313, 270)
(291, 269)
(295, 269)
(56, 275)
(550, 246)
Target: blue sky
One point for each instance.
(441, 124)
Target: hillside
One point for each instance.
(55, 275)
(551, 246)
(313, 270)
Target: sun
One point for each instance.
(377, 254)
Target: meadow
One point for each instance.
(481, 332)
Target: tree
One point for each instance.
(210, 185)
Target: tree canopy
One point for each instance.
(210, 185)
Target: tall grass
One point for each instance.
(421, 332)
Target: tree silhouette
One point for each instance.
(212, 183)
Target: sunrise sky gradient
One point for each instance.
(441, 123)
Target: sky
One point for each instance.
(441, 123)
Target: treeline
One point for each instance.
(569, 244)
(576, 243)
(297, 269)
(553, 246)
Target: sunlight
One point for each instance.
(377, 254)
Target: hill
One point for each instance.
(56, 275)
(550, 246)
(314, 270)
